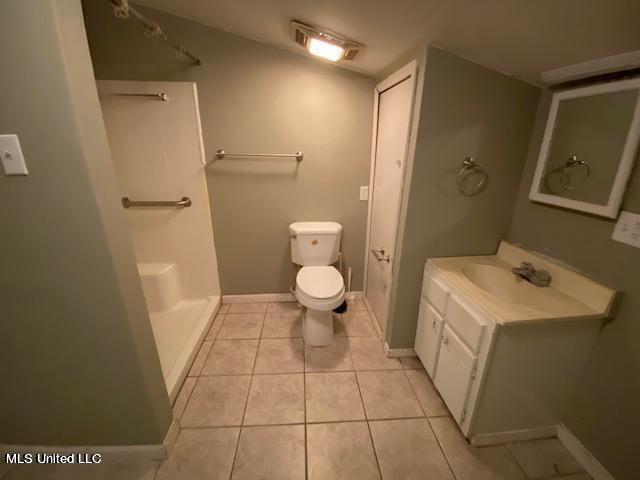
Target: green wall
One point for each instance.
(77, 356)
(257, 98)
(603, 411)
(466, 110)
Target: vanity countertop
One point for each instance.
(511, 299)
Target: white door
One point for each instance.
(394, 115)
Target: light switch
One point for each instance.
(627, 229)
(11, 156)
(364, 193)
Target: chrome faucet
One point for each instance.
(540, 278)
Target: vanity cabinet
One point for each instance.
(506, 370)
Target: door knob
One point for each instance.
(379, 255)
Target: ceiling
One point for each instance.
(521, 37)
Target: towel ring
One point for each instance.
(470, 163)
(572, 162)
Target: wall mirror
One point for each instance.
(589, 147)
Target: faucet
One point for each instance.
(540, 278)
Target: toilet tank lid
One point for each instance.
(318, 228)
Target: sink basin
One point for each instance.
(506, 286)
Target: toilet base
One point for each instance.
(317, 327)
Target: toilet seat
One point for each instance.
(320, 288)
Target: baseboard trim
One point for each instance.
(273, 297)
(171, 438)
(582, 454)
(108, 452)
(258, 298)
(399, 352)
(514, 436)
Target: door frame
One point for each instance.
(410, 72)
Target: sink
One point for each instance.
(506, 286)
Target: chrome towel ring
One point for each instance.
(470, 164)
(572, 162)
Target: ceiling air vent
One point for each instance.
(324, 43)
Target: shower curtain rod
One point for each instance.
(122, 9)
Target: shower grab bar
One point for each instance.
(152, 96)
(184, 202)
(220, 154)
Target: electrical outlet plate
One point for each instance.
(364, 193)
(11, 156)
(627, 229)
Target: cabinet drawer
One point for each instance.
(428, 335)
(456, 364)
(465, 322)
(435, 291)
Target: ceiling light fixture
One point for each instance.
(323, 43)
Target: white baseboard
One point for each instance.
(273, 297)
(399, 352)
(108, 452)
(581, 454)
(514, 436)
(171, 438)
(258, 298)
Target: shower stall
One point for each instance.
(156, 144)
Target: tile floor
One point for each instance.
(259, 404)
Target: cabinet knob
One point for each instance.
(445, 340)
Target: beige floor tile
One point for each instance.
(201, 357)
(216, 401)
(284, 307)
(428, 396)
(182, 398)
(472, 463)
(411, 363)
(356, 323)
(368, 354)
(544, 458)
(231, 357)
(122, 470)
(408, 450)
(203, 453)
(273, 452)
(36, 471)
(248, 308)
(340, 451)
(275, 399)
(333, 397)
(388, 395)
(280, 355)
(334, 357)
(241, 326)
(215, 327)
(224, 308)
(574, 476)
(356, 304)
(282, 324)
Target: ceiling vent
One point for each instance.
(324, 43)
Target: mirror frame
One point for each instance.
(612, 207)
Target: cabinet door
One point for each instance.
(455, 373)
(428, 335)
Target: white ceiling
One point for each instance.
(520, 37)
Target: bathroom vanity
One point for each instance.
(505, 354)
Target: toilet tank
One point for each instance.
(315, 243)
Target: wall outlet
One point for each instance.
(11, 156)
(627, 229)
(364, 193)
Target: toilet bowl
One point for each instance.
(320, 289)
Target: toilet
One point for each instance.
(315, 246)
